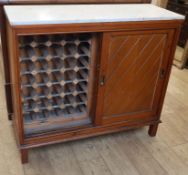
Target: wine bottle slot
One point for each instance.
(34, 95)
(44, 52)
(32, 68)
(70, 62)
(84, 48)
(56, 38)
(82, 86)
(70, 75)
(46, 114)
(26, 106)
(83, 61)
(81, 98)
(58, 89)
(82, 108)
(41, 38)
(25, 92)
(58, 64)
(69, 87)
(70, 37)
(33, 82)
(70, 49)
(58, 112)
(51, 50)
(27, 79)
(58, 77)
(58, 50)
(69, 99)
(39, 78)
(30, 52)
(47, 81)
(23, 53)
(33, 116)
(82, 74)
(25, 40)
(40, 117)
(70, 110)
(85, 37)
(53, 114)
(42, 65)
(51, 64)
(38, 65)
(27, 118)
(24, 66)
(34, 53)
(48, 92)
(48, 104)
(59, 101)
(35, 106)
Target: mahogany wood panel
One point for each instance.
(133, 73)
(5, 62)
(15, 83)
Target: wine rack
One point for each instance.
(55, 75)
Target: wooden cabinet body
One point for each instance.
(128, 66)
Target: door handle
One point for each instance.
(102, 80)
(162, 73)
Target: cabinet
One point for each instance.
(73, 80)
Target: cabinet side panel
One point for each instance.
(14, 66)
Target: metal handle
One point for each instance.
(162, 73)
(102, 81)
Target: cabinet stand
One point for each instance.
(153, 130)
(24, 155)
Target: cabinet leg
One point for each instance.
(6, 63)
(10, 116)
(24, 155)
(153, 130)
(9, 100)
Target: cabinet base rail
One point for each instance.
(153, 126)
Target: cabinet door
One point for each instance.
(132, 72)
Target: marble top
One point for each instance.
(67, 14)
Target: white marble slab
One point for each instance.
(66, 14)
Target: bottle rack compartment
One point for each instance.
(54, 76)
